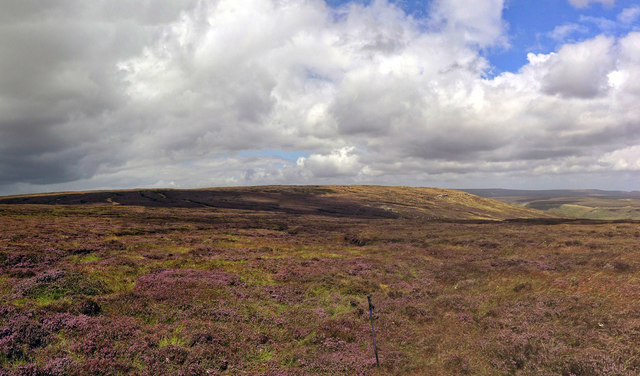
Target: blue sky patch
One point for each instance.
(286, 155)
(540, 26)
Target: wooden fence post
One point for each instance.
(373, 333)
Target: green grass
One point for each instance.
(597, 212)
(173, 340)
(89, 258)
(590, 207)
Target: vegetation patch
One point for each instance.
(266, 290)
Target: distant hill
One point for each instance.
(499, 192)
(335, 200)
(580, 203)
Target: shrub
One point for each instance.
(55, 284)
(21, 334)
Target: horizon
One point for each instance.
(311, 185)
(190, 94)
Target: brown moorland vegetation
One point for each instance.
(274, 280)
(335, 200)
(591, 204)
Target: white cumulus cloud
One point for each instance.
(580, 70)
(340, 162)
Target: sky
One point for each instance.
(522, 94)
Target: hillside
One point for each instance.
(274, 281)
(580, 203)
(339, 201)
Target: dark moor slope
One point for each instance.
(291, 202)
(339, 201)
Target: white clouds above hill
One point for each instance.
(103, 94)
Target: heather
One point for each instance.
(128, 290)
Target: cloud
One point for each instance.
(562, 32)
(580, 70)
(586, 3)
(605, 25)
(61, 83)
(481, 24)
(629, 15)
(107, 95)
(340, 162)
(627, 159)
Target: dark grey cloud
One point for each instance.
(60, 80)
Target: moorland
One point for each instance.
(582, 203)
(274, 281)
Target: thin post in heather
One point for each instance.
(373, 333)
